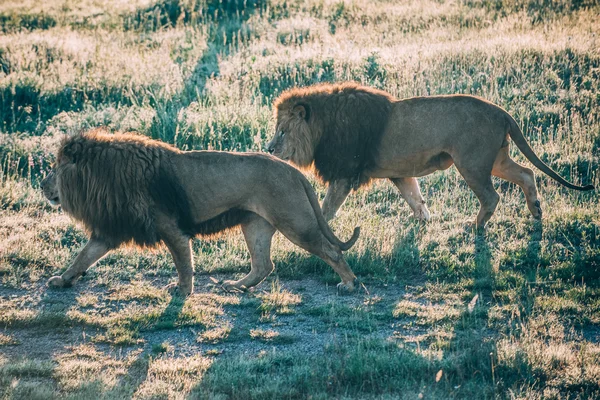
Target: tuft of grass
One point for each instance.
(429, 314)
(166, 375)
(119, 336)
(215, 335)
(271, 336)
(8, 340)
(278, 301)
(87, 300)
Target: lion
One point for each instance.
(128, 189)
(351, 134)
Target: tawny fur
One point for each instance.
(126, 188)
(351, 134)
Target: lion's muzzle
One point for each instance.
(48, 186)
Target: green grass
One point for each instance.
(448, 314)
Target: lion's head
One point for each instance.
(51, 185)
(114, 187)
(50, 188)
(331, 127)
(295, 138)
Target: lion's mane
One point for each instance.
(116, 184)
(346, 122)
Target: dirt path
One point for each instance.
(316, 316)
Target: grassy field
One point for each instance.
(514, 313)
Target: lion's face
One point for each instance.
(293, 138)
(50, 188)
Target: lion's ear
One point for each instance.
(302, 111)
(71, 152)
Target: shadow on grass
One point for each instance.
(357, 365)
(138, 371)
(401, 264)
(468, 365)
(128, 382)
(474, 340)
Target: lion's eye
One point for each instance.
(281, 134)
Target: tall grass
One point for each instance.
(514, 314)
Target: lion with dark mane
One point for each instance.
(126, 188)
(350, 134)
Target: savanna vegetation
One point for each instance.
(444, 312)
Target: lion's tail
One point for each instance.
(517, 136)
(314, 202)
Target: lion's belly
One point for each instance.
(402, 165)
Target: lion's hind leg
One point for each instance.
(506, 168)
(333, 256)
(306, 233)
(410, 191)
(479, 179)
(258, 234)
(93, 251)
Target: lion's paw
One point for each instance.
(175, 290)
(233, 286)
(344, 288)
(422, 214)
(58, 282)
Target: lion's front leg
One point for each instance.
(93, 251)
(335, 197)
(180, 247)
(258, 234)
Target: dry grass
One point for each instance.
(514, 314)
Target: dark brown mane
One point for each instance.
(349, 119)
(116, 184)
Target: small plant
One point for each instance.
(215, 335)
(160, 348)
(271, 336)
(278, 301)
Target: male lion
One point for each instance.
(126, 188)
(351, 134)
